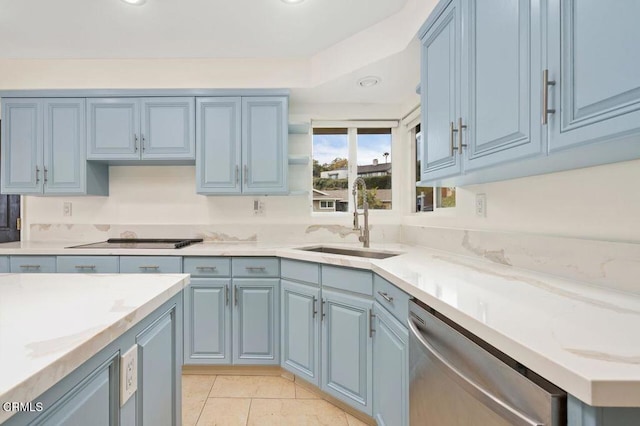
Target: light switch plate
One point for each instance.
(481, 205)
(66, 208)
(128, 374)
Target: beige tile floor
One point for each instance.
(209, 400)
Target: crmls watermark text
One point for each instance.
(22, 406)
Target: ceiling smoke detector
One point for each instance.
(135, 2)
(369, 81)
(292, 1)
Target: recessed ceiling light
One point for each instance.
(292, 1)
(135, 2)
(369, 81)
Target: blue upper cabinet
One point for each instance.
(22, 146)
(168, 128)
(140, 129)
(242, 145)
(594, 63)
(113, 129)
(44, 149)
(64, 146)
(440, 94)
(218, 135)
(501, 105)
(264, 145)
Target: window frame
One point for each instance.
(352, 127)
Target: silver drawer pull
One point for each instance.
(85, 266)
(30, 266)
(386, 296)
(255, 268)
(206, 268)
(149, 267)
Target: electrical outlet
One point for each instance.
(481, 205)
(66, 208)
(258, 207)
(128, 374)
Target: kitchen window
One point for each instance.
(340, 154)
(427, 196)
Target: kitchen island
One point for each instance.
(62, 336)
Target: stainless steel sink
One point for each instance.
(371, 254)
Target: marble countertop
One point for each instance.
(578, 336)
(41, 338)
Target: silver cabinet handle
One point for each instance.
(235, 296)
(30, 266)
(149, 267)
(511, 414)
(460, 128)
(37, 175)
(237, 174)
(371, 317)
(386, 296)
(226, 295)
(85, 266)
(143, 139)
(255, 268)
(45, 175)
(545, 96)
(322, 312)
(135, 142)
(246, 174)
(452, 140)
(206, 268)
(315, 310)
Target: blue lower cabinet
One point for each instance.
(256, 321)
(150, 264)
(93, 401)
(347, 349)
(207, 321)
(300, 332)
(158, 374)
(390, 369)
(4, 265)
(88, 264)
(32, 264)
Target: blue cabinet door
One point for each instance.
(113, 129)
(592, 48)
(64, 170)
(501, 67)
(256, 321)
(300, 334)
(440, 95)
(218, 134)
(207, 321)
(22, 146)
(156, 395)
(390, 370)
(167, 130)
(347, 349)
(264, 145)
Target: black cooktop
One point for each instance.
(141, 243)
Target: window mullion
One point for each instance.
(352, 138)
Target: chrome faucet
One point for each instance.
(364, 233)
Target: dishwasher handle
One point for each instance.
(509, 413)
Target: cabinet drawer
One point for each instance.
(207, 266)
(392, 298)
(33, 264)
(150, 264)
(355, 280)
(255, 267)
(88, 264)
(300, 271)
(4, 264)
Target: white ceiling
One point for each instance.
(319, 48)
(182, 28)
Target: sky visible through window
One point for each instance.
(328, 147)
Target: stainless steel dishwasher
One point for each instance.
(459, 380)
